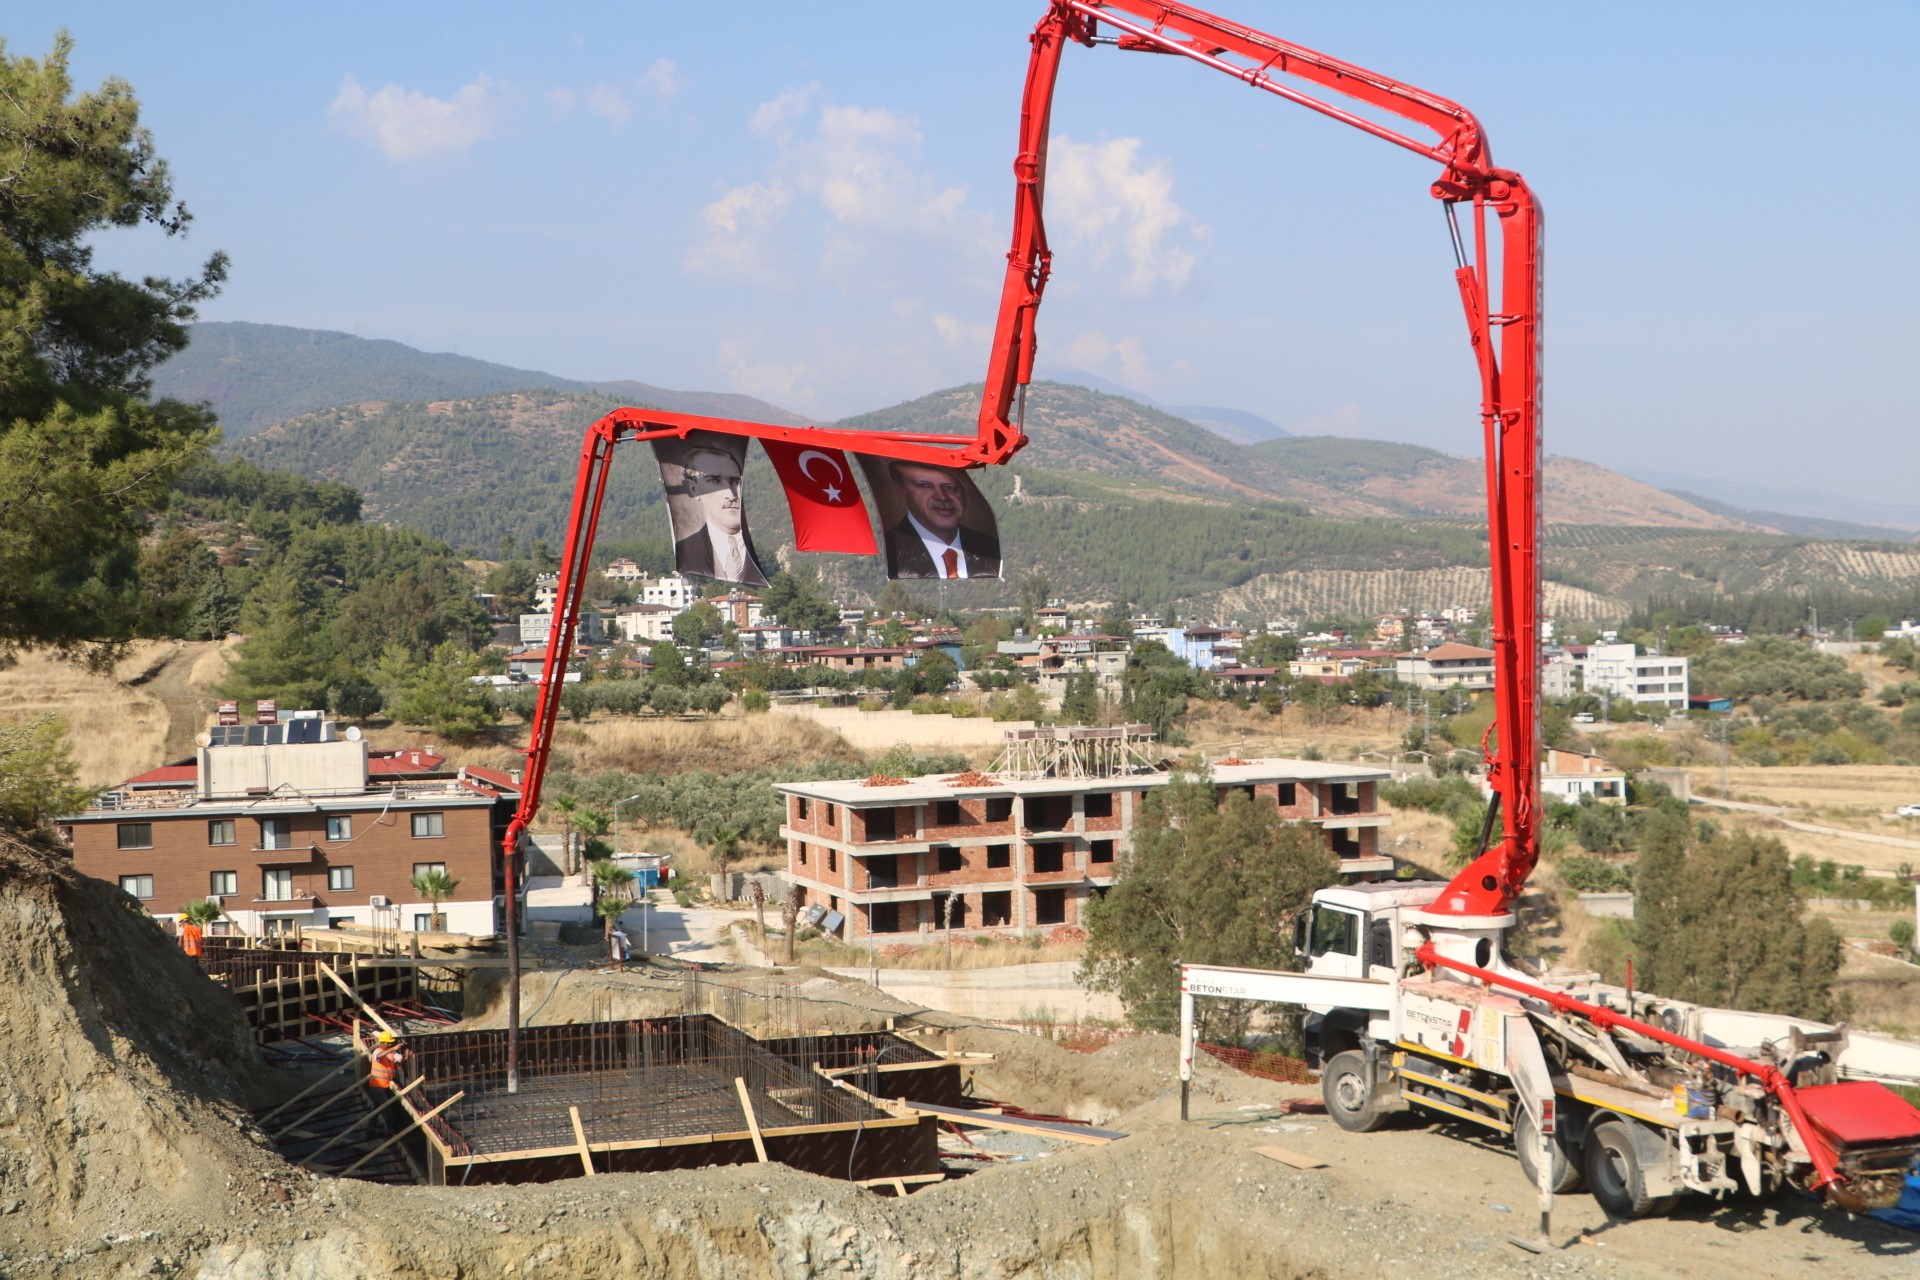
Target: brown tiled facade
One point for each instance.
(1018, 858)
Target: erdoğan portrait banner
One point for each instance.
(936, 522)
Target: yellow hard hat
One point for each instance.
(183, 915)
(385, 1037)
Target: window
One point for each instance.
(223, 884)
(1100, 804)
(1100, 851)
(340, 828)
(137, 886)
(945, 903)
(429, 826)
(999, 855)
(996, 908)
(276, 884)
(799, 808)
(1336, 931)
(429, 869)
(1000, 809)
(885, 917)
(880, 824)
(883, 872)
(339, 879)
(833, 818)
(1049, 857)
(135, 835)
(800, 853)
(833, 861)
(946, 813)
(422, 922)
(947, 858)
(1049, 906)
(1287, 795)
(1054, 813)
(222, 831)
(276, 833)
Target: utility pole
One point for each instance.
(1723, 757)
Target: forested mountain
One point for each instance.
(1111, 499)
(255, 375)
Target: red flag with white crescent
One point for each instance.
(828, 512)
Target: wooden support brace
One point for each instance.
(306, 1116)
(348, 1065)
(753, 1122)
(330, 1142)
(373, 1014)
(403, 1133)
(580, 1136)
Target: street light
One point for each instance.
(646, 896)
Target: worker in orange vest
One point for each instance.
(190, 935)
(387, 1054)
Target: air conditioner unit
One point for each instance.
(215, 899)
(378, 900)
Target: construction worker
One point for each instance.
(385, 1057)
(190, 935)
(619, 947)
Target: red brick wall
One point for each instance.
(382, 854)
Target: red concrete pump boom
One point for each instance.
(1506, 344)
(1506, 341)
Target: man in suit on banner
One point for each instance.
(929, 541)
(708, 492)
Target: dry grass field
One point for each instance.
(1217, 728)
(1881, 995)
(1864, 791)
(142, 713)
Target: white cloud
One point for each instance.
(560, 102)
(1122, 359)
(785, 383)
(732, 244)
(609, 104)
(967, 335)
(776, 117)
(662, 78)
(1102, 197)
(860, 163)
(406, 124)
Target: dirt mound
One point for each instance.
(124, 1069)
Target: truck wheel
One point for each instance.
(1348, 1088)
(1616, 1175)
(1567, 1175)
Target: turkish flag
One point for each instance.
(828, 513)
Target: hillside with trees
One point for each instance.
(254, 375)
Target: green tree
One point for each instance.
(436, 887)
(38, 777)
(1717, 921)
(934, 671)
(796, 600)
(439, 693)
(1080, 703)
(203, 913)
(1117, 621)
(286, 655)
(697, 626)
(669, 667)
(1207, 882)
(84, 456)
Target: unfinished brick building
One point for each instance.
(1027, 849)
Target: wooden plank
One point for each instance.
(753, 1122)
(580, 1136)
(403, 1133)
(397, 1095)
(1066, 1133)
(308, 1115)
(372, 1014)
(1293, 1158)
(911, 1179)
(697, 1140)
(349, 1064)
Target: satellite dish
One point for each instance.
(353, 733)
(203, 739)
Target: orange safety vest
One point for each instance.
(190, 939)
(383, 1059)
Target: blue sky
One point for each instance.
(811, 203)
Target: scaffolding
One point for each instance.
(1076, 752)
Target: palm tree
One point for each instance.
(724, 842)
(435, 887)
(612, 883)
(790, 915)
(202, 913)
(757, 895)
(610, 910)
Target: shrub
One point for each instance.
(1901, 933)
(1584, 873)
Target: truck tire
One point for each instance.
(1347, 1086)
(1567, 1173)
(1616, 1174)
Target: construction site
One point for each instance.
(276, 1104)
